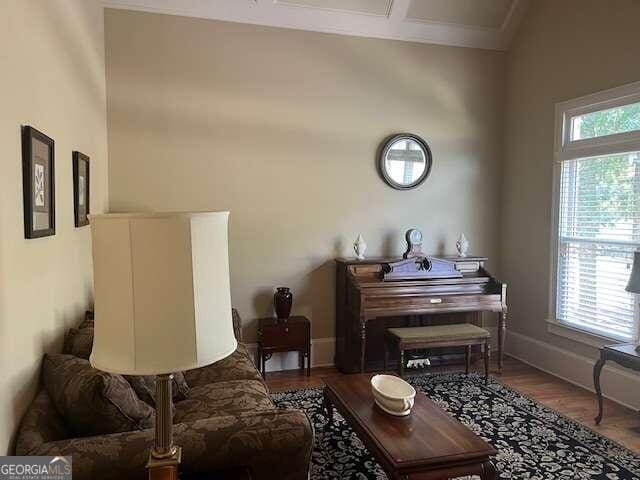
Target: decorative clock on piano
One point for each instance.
(414, 243)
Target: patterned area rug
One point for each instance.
(534, 442)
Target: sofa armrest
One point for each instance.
(260, 441)
(272, 444)
(40, 424)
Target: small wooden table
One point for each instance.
(625, 355)
(427, 444)
(293, 334)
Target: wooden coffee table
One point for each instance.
(427, 444)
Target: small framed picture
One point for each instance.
(38, 183)
(80, 189)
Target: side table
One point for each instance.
(625, 355)
(291, 335)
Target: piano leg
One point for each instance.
(363, 342)
(386, 354)
(467, 359)
(502, 331)
(487, 360)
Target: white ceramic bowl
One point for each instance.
(392, 394)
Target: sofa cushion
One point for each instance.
(237, 366)
(223, 398)
(145, 387)
(79, 342)
(93, 402)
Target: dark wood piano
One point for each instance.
(366, 305)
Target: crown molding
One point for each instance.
(393, 26)
(293, 3)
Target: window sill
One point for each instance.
(577, 335)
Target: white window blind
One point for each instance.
(598, 231)
(597, 197)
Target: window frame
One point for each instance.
(567, 149)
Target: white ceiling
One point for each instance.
(467, 23)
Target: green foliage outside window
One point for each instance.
(607, 187)
(607, 122)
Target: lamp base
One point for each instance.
(175, 459)
(164, 457)
(165, 468)
(168, 453)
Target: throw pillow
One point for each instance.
(93, 402)
(79, 342)
(145, 387)
(88, 320)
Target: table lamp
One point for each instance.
(162, 302)
(634, 283)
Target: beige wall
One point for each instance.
(563, 50)
(52, 77)
(281, 128)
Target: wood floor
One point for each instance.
(619, 423)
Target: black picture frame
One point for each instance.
(81, 189)
(382, 154)
(38, 183)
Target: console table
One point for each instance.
(625, 355)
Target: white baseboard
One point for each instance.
(618, 384)
(322, 353)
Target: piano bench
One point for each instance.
(438, 336)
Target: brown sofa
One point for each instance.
(227, 421)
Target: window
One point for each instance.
(625, 118)
(597, 221)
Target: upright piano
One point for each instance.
(366, 305)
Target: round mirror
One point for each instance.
(405, 161)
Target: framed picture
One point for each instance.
(80, 189)
(38, 183)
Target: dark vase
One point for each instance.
(282, 300)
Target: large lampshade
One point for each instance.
(634, 280)
(162, 295)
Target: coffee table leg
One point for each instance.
(328, 406)
(485, 470)
(488, 471)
